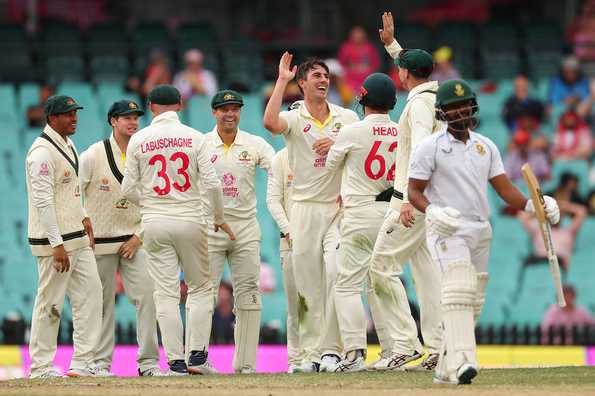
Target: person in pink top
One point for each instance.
(358, 57)
(568, 317)
(572, 140)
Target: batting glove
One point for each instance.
(442, 221)
(552, 211)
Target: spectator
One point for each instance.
(444, 69)
(195, 79)
(157, 72)
(520, 103)
(521, 152)
(569, 87)
(339, 92)
(567, 190)
(223, 317)
(36, 117)
(134, 86)
(585, 108)
(359, 58)
(572, 140)
(563, 237)
(568, 317)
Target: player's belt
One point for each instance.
(65, 237)
(122, 238)
(398, 195)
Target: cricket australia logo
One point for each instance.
(245, 156)
(122, 204)
(459, 90)
(336, 127)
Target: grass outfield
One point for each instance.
(542, 382)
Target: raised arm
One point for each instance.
(387, 35)
(271, 119)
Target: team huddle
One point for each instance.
(355, 200)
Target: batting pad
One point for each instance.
(480, 296)
(459, 288)
(246, 331)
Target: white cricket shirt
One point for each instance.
(236, 168)
(279, 190)
(458, 173)
(364, 154)
(311, 180)
(169, 163)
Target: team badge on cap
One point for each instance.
(228, 97)
(459, 90)
(132, 105)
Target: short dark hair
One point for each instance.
(307, 65)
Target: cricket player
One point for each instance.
(402, 236)
(61, 238)
(363, 155)
(235, 154)
(280, 183)
(169, 163)
(448, 182)
(309, 131)
(118, 246)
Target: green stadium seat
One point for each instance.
(543, 63)
(198, 110)
(415, 36)
(580, 168)
(65, 68)
(109, 68)
(457, 36)
(275, 309)
(107, 38)
(28, 96)
(500, 64)
(536, 295)
(544, 36)
(499, 37)
(18, 67)
(60, 39)
(150, 35)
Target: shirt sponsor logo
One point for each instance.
(67, 177)
(229, 186)
(214, 158)
(307, 128)
(480, 149)
(320, 162)
(44, 169)
(104, 186)
(384, 131)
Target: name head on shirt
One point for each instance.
(163, 143)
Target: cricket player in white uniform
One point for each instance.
(363, 155)
(402, 236)
(61, 238)
(170, 165)
(309, 132)
(448, 181)
(118, 246)
(235, 154)
(280, 184)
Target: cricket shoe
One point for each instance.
(329, 363)
(428, 364)
(198, 363)
(354, 361)
(150, 372)
(382, 363)
(246, 370)
(103, 372)
(465, 374)
(50, 373)
(88, 371)
(177, 368)
(307, 367)
(398, 360)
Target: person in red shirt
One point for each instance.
(359, 58)
(572, 140)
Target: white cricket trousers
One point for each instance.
(243, 256)
(315, 236)
(172, 245)
(138, 287)
(294, 352)
(359, 229)
(395, 246)
(82, 286)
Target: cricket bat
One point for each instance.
(546, 230)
